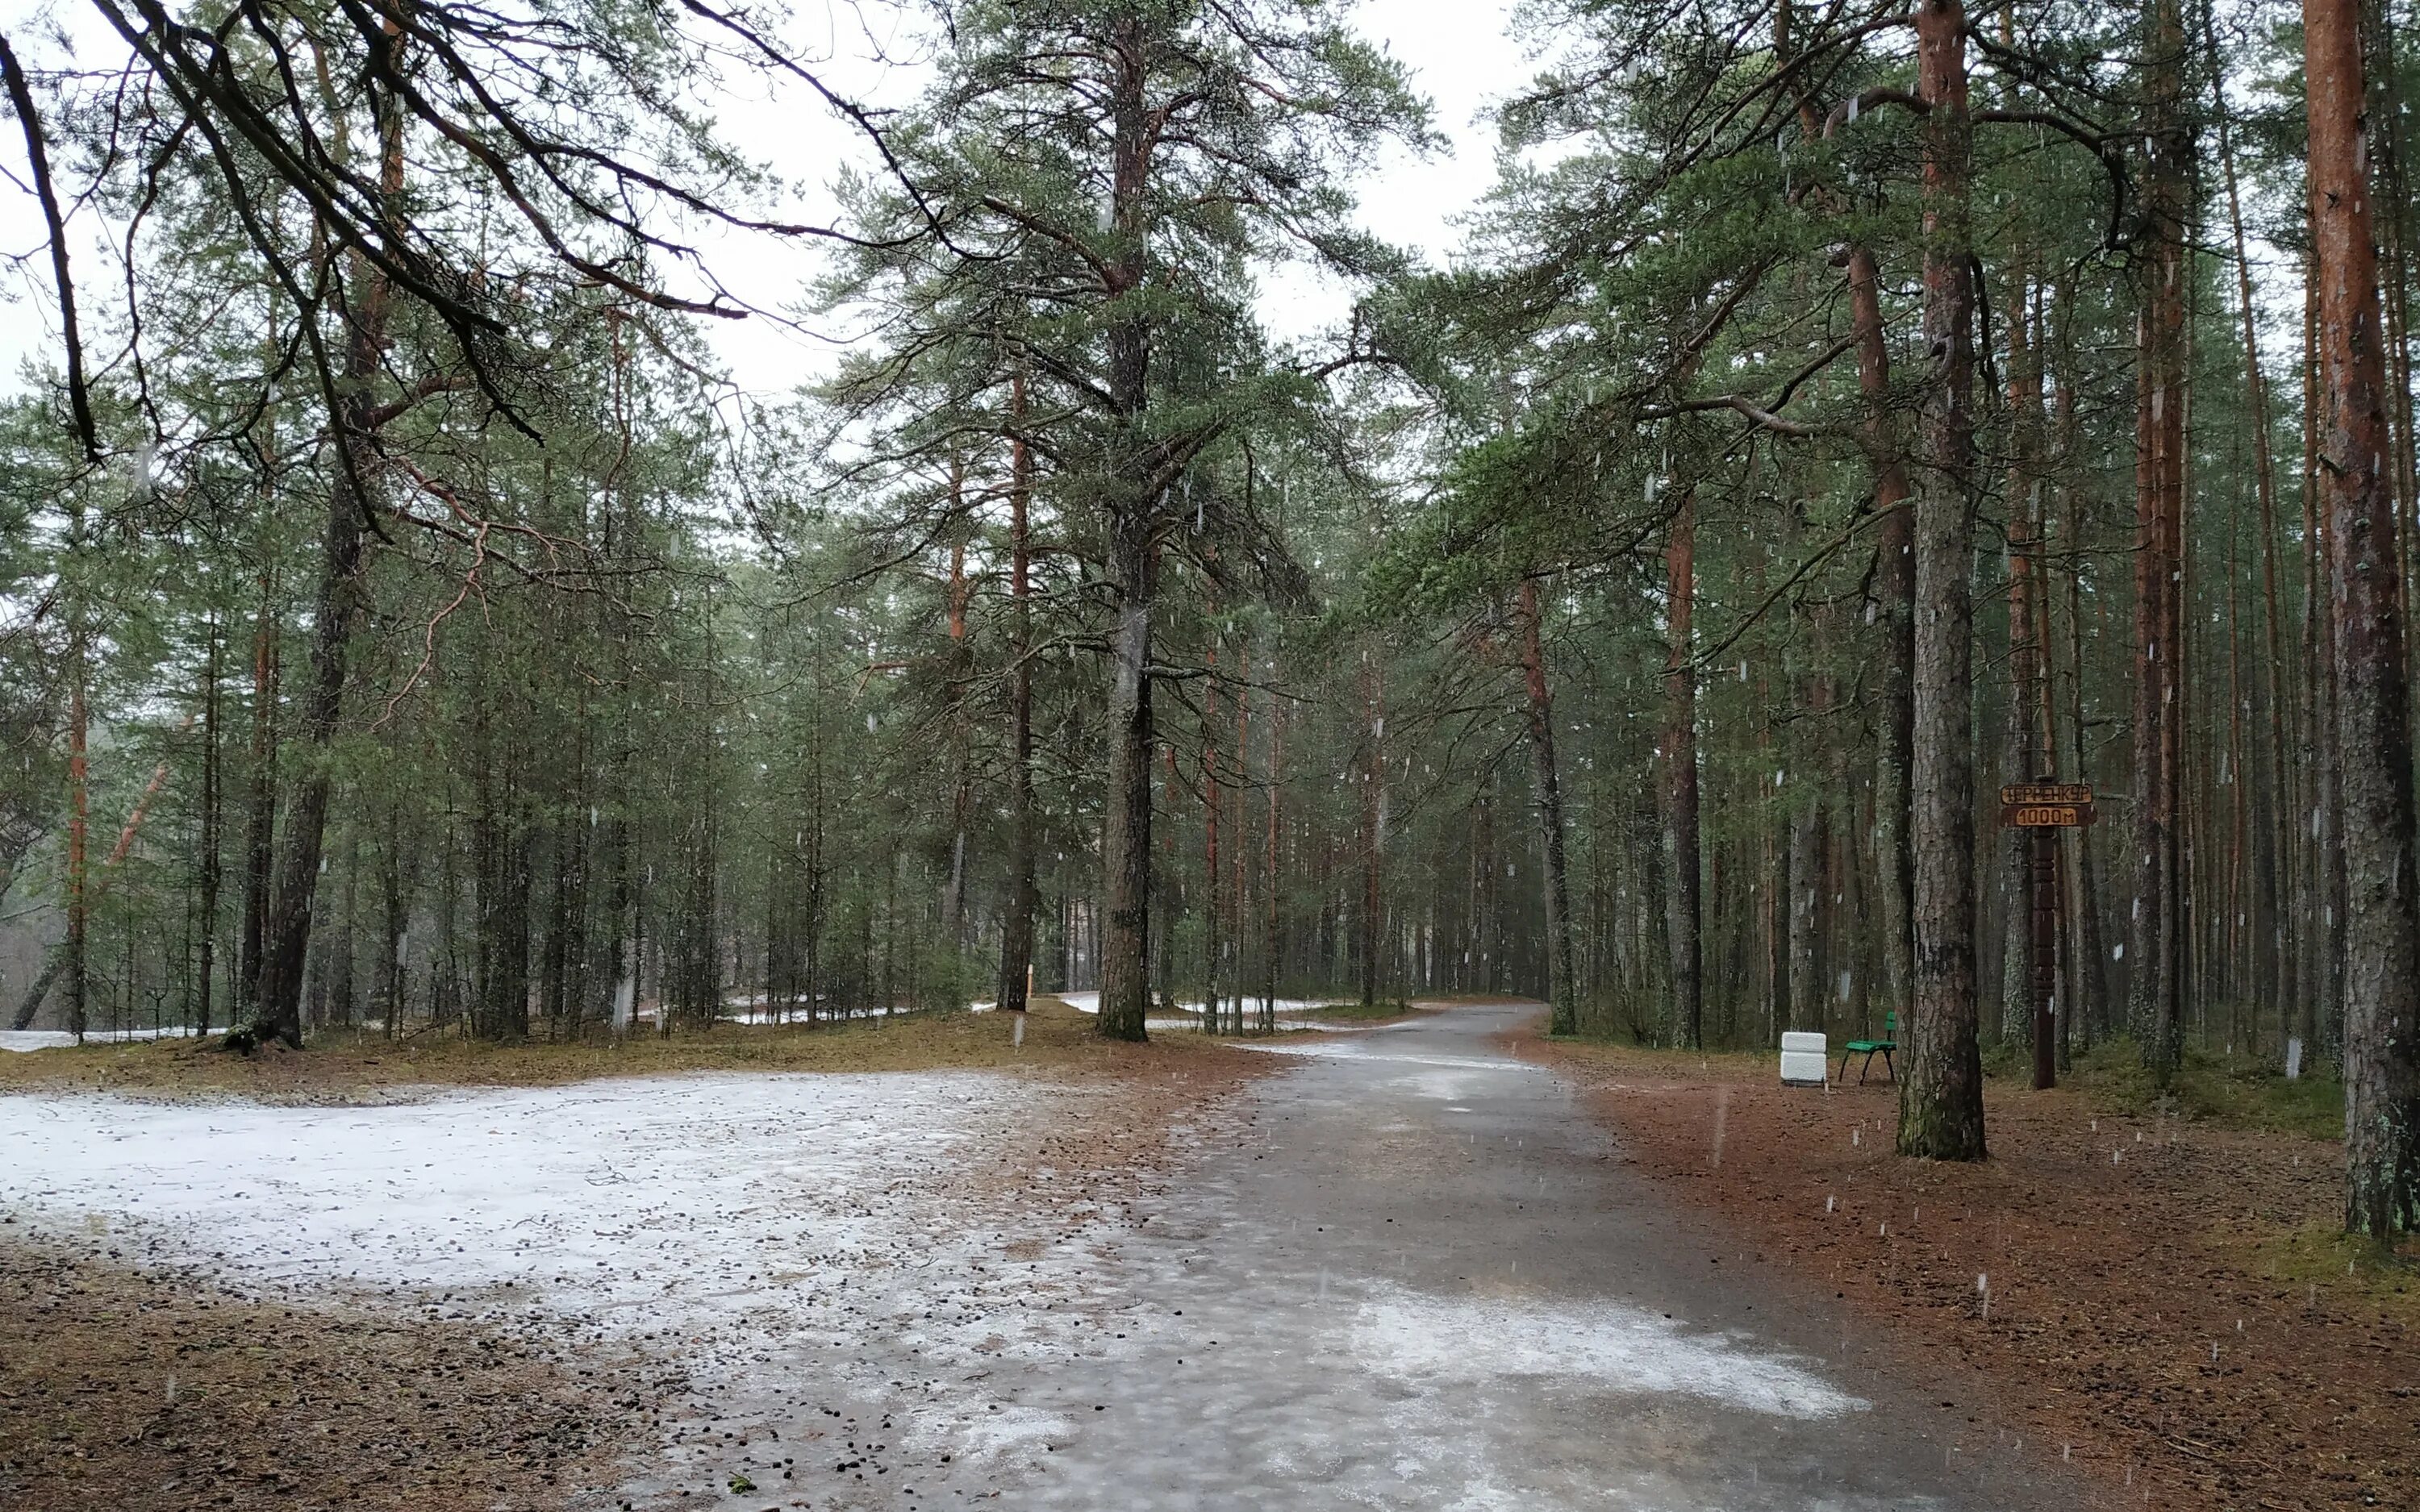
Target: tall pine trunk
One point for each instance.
(1016, 929)
(1562, 989)
(1373, 818)
(261, 808)
(2086, 991)
(1126, 837)
(1213, 915)
(79, 883)
(1239, 865)
(1683, 862)
(953, 899)
(1941, 1100)
(2381, 922)
(2024, 756)
(1270, 935)
(1895, 609)
(1125, 834)
(2274, 867)
(210, 859)
(286, 934)
(2155, 948)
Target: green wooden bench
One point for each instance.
(1871, 1048)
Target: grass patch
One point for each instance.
(347, 1066)
(1614, 1048)
(2341, 1268)
(2236, 1092)
(1378, 1012)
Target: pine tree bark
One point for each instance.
(1213, 883)
(342, 938)
(79, 901)
(1239, 884)
(1373, 818)
(287, 936)
(1562, 991)
(2274, 881)
(2024, 756)
(395, 917)
(2384, 143)
(2155, 948)
(1941, 1100)
(953, 899)
(210, 860)
(1894, 609)
(1016, 929)
(260, 817)
(1683, 862)
(1271, 935)
(2381, 924)
(1133, 562)
(2086, 991)
(501, 844)
(31, 1004)
(1810, 841)
(2316, 814)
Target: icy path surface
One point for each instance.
(1412, 1275)
(1404, 1273)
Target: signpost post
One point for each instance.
(2042, 810)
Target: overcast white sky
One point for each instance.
(1458, 53)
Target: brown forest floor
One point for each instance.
(349, 1065)
(133, 1388)
(2166, 1294)
(126, 1389)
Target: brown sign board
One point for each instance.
(2045, 815)
(2070, 793)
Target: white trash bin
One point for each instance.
(1805, 1060)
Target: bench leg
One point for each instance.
(1888, 1064)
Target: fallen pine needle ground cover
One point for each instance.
(363, 1066)
(2161, 1296)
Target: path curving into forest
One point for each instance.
(1410, 1273)
(1405, 1269)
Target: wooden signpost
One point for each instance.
(2042, 810)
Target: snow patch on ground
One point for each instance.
(533, 1188)
(799, 1229)
(1460, 1341)
(24, 1040)
(740, 1009)
(1370, 1048)
(1091, 1003)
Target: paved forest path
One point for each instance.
(1412, 1274)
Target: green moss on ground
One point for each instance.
(2232, 1093)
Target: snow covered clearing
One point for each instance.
(722, 1223)
(531, 1190)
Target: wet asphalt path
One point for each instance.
(1412, 1274)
